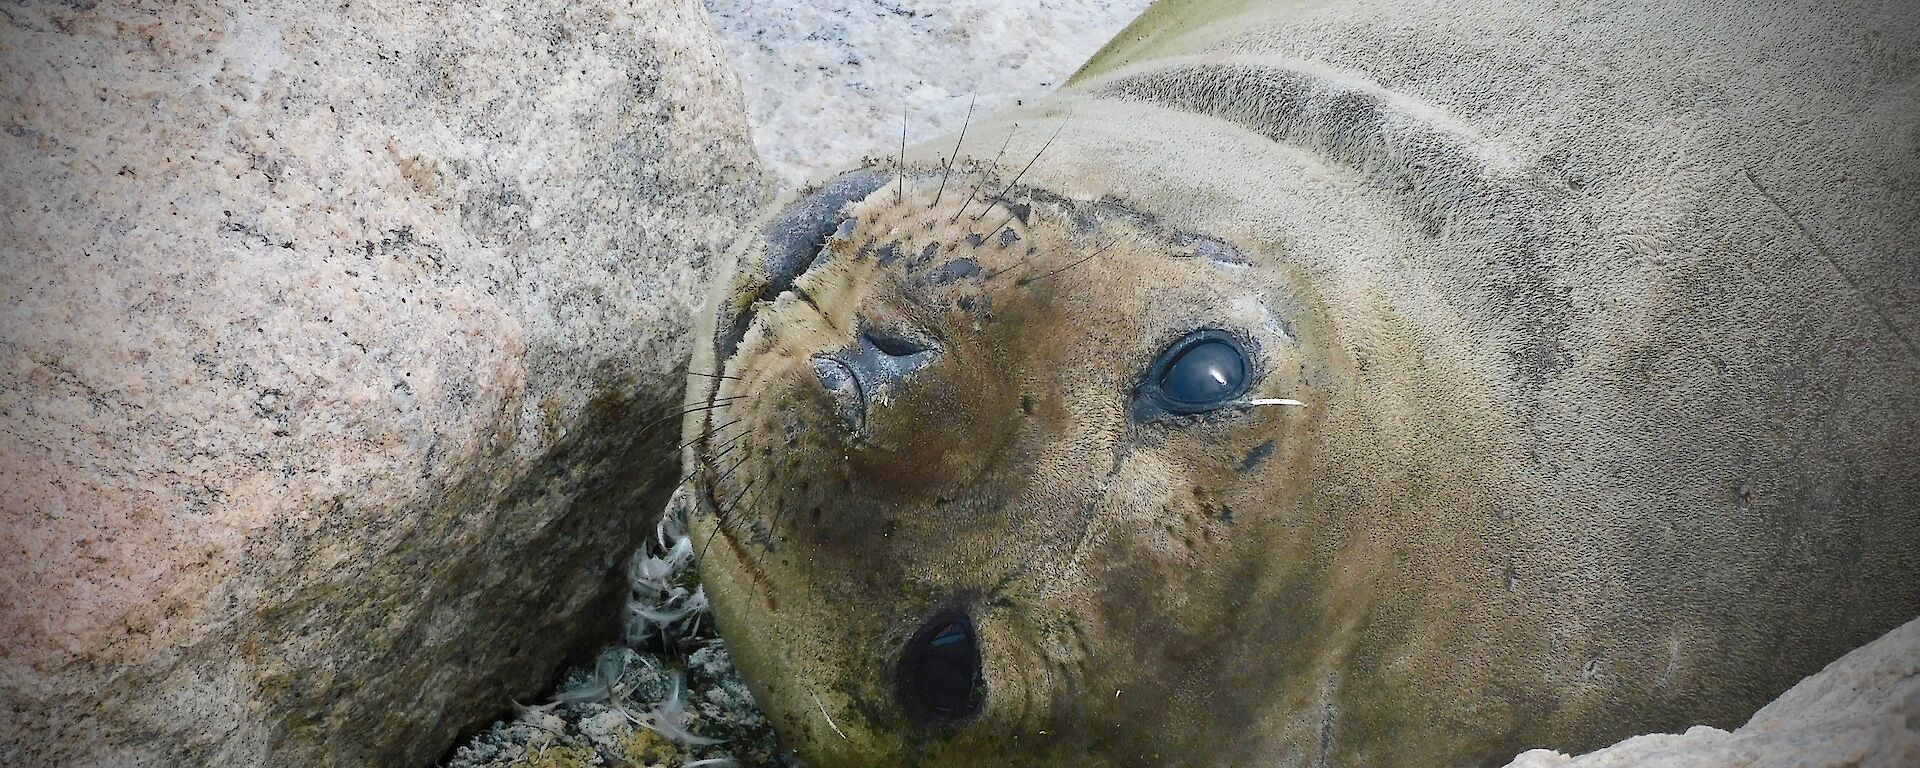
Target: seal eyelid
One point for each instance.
(893, 343)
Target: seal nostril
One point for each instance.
(893, 344)
(849, 398)
(940, 671)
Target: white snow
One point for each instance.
(826, 82)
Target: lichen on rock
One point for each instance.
(668, 696)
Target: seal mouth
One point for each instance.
(940, 680)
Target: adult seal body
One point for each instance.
(1408, 383)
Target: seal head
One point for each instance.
(991, 464)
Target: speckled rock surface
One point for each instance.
(328, 333)
(1862, 711)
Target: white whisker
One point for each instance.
(823, 713)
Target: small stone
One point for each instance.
(1861, 711)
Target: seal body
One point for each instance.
(1314, 384)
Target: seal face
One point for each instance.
(985, 451)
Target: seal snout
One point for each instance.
(867, 371)
(940, 680)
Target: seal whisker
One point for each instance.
(731, 446)
(900, 165)
(985, 174)
(720, 513)
(714, 375)
(719, 520)
(683, 480)
(1084, 259)
(779, 514)
(1023, 169)
(1024, 260)
(996, 230)
(710, 405)
(707, 433)
(696, 473)
(1274, 401)
(823, 713)
(948, 170)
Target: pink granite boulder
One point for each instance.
(328, 332)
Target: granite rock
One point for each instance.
(328, 333)
(1862, 711)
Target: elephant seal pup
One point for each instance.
(1309, 384)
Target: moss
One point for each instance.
(558, 757)
(644, 747)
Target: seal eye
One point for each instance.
(1207, 370)
(1208, 373)
(940, 671)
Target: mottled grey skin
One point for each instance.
(1603, 324)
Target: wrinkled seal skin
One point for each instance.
(1603, 320)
